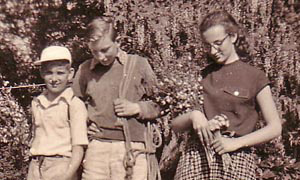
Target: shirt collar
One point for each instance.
(121, 57)
(66, 95)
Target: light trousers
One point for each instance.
(104, 161)
(50, 168)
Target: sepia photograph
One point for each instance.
(150, 89)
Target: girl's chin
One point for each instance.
(219, 61)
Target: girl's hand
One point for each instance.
(218, 122)
(223, 145)
(201, 127)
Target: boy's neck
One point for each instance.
(52, 96)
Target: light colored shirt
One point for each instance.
(54, 133)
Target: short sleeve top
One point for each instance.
(231, 90)
(59, 124)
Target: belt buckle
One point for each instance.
(36, 157)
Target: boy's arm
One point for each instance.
(148, 109)
(32, 132)
(77, 155)
(144, 110)
(78, 119)
(33, 126)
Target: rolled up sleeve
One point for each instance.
(149, 109)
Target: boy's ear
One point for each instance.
(71, 74)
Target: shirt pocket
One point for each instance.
(237, 92)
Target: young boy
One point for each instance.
(59, 121)
(114, 88)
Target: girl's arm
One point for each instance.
(270, 114)
(195, 120)
(267, 133)
(182, 122)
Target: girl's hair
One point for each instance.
(231, 27)
(219, 18)
(104, 24)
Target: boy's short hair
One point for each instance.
(54, 53)
(104, 24)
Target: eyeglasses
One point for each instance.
(216, 44)
(94, 38)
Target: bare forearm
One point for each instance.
(273, 127)
(77, 155)
(182, 123)
(185, 121)
(262, 135)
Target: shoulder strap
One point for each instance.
(129, 67)
(68, 103)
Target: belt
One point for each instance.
(41, 157)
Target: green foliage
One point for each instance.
(14, 132)
(167, 33)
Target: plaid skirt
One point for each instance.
(193, 165)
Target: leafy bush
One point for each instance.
(167, 33)
(14, 131)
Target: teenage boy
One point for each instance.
(114, 85)
(59, 120)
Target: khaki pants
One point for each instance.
(104, 161)
(48, 168)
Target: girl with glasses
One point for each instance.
(234, 92)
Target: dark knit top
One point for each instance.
(231, 90)
(99, 86)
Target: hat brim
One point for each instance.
(39, 62)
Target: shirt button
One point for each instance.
(236, 93)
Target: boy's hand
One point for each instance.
(124, 108)
(93, 129)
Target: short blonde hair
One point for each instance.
(104, 24)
